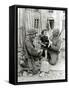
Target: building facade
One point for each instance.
(39, 19)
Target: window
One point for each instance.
(36, 23)
(51, 24)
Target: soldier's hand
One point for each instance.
(40, 50)
(50, 43)
(40, 53)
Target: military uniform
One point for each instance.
(32, 55)
(54, 49)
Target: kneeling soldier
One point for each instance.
(53, 50)
(32, 55)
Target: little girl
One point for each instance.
(45, 67)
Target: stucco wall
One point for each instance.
(26, 20)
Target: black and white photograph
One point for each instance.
(41, 44)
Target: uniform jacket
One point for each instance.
(56, 43)
(53, 50)
(31, 53)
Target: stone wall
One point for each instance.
(26, 21)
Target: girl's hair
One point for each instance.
(43, 31)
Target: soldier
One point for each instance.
(32, 55)
(53, 50)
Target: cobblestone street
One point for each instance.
(56, 72)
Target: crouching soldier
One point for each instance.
(53, 50)
(32, 55)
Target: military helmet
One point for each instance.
(56, 32)
(31, 32)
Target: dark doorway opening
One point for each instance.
(51, 23)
